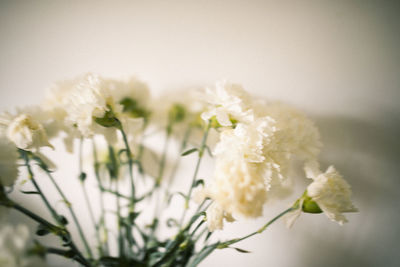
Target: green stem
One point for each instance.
(25, 156)
(120, 234)
(71, 210)
(130, 161)
(200, 156)
(177, 163)
(102, 216)
(163, 158)
(259, 231)
(82, 178)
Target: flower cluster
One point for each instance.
(258, 141)
(254, 144)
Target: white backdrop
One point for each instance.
(337, 60)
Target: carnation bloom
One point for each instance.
(89, 99)
(328, 193)
(13, 247)
(332, 194)
(216, 216)
(240, 182)
(228, 102)
(24, 131)
(8, 162)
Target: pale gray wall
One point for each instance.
(338, 60)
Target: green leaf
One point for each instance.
(241, 250)
(188, 152)
(30, 192)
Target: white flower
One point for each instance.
(8, 162)
(215, 217)
(228, 102)
(13, 247)
(240, 177)
(131, 88)
(89, 99)
(24, 131)
(295, 133)
(332, 194)
(246, 140)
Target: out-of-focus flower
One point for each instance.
(332, 194)
(24, 131)
(8, 162)
(132, 94)
(13, 247)
(228, 102)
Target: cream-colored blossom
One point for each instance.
(332, 194)
(24, 131)
(247, 140)
(14, 249)
(130, 88)
(239, 183)
(228, 102)
(89, 99)
(216, 216)
(295, 133)
(8, 162)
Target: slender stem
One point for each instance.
(130, 161)
(163, 159)
(82, 178)
(120, 237)
(200, 156)
(97, 174)
(177, 162)
(64, 253)
(259, 231)
(35, 184)
(71, 210)
(160, 178)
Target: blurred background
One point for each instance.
(339, 61)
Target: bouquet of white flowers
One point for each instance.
(252, 142)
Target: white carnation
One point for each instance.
(89, 99)
(13, 247)
(332, 194)
(131, 88)
(25, 131)
(8, 162)
(216, 216)
(239, 185)
(228, 102)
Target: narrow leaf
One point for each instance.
(30, 192)
(188, 152)
(241, 250)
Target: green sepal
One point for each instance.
(310, 206)
(108, 120)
